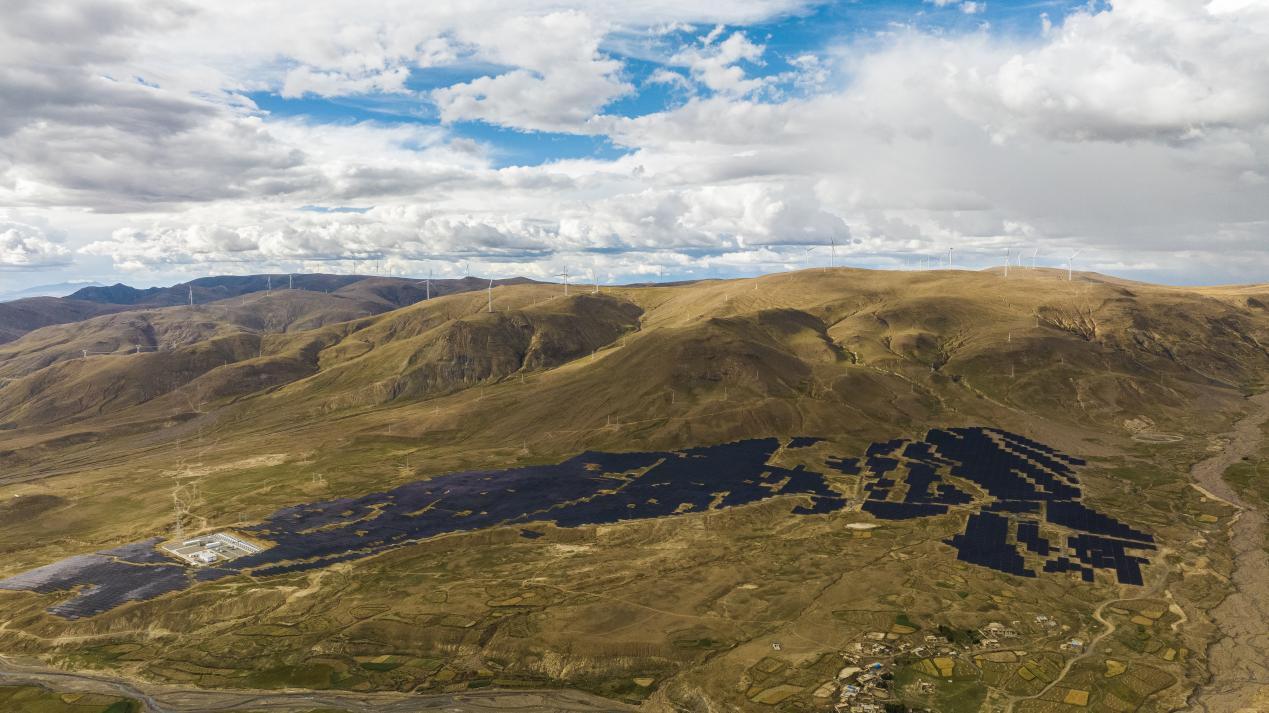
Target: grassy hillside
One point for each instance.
(21, 316)
(361, 295)
(283, 399)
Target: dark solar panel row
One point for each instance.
(1104, 553)
(1062, 564)
(1036, 445)
(886, 448)
(1023, 477)
(1077, 516)
(1029, 535)
(985, 542)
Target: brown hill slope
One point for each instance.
(21, 316)
(798, 349)
(171, 328)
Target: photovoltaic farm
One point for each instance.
(1015, 486)
(1015, 489)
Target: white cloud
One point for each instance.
(305, 80)
(561, 78)
(26, 246)
(737, 218)
(1168, 69)
(717, 64)
(1139, 132)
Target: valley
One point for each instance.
(705, 496)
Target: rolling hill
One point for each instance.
(17, 317)
(266, 402)
(21, 316)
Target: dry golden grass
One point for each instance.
(94, 446)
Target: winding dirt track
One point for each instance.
(157, 698)
(1108, 628)
(1239, 660)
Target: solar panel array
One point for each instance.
(1022, 484)
(1012, 485)
(592, 488)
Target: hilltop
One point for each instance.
(17, 317)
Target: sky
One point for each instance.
(153, 141)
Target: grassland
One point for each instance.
(28, 699)
(677, 613)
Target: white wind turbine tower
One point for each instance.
(429, 284)
(595, 276)
(1008, 256)
(489, 292)
(191, 295)
(1033, 255)
(268, 284)
(832, 252)
(290, 282)
(1070, 265)
(564, 275)
(949, 258)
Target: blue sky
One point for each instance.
(816, 30)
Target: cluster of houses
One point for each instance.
(863, 685)
(864, 688)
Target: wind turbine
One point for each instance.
(1070, 265)
(832, 252)
(290, 282)
(489, 292)
(191, 295)
(565, 276)
(949, 258)
(268, 283)
(595, 276)
(806, 258)
(1037, 252)
(1008, 256)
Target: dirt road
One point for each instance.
(156, 698)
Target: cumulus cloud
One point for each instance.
(1148, 69)
(25, 246)
(560, 80)
(717, 64)
(715, 220)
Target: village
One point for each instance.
(864, 684)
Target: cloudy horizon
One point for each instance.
(156, 141)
